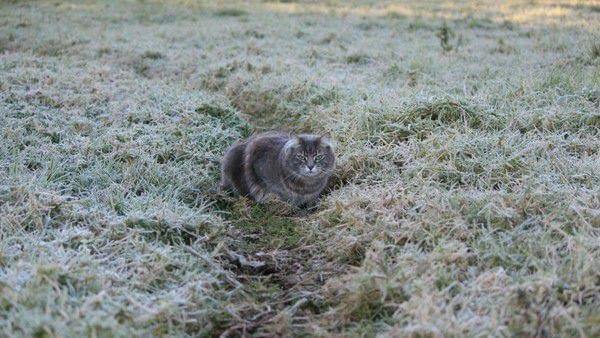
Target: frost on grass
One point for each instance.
(465, 201)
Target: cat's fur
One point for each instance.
(296, 168)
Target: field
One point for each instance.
(466, 200)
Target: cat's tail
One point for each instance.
(253, 182)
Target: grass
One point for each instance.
(465, 200)
(231, 12)
(445, 34)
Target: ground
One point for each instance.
(466, 201)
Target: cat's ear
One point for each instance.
(295, 138)
(291, 144)
(325, 140)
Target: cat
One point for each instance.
(295, 168)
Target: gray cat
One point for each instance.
(294, 168)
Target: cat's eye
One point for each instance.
(300, 157)
(319, 158)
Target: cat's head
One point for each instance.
(309, 155)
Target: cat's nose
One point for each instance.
(310, 166)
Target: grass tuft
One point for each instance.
(153, 55)
(233, 12)
(445, 35)
(358, 58)
(595, 51)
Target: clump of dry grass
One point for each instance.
(465, 201)
(231, 12)
(445, 34)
